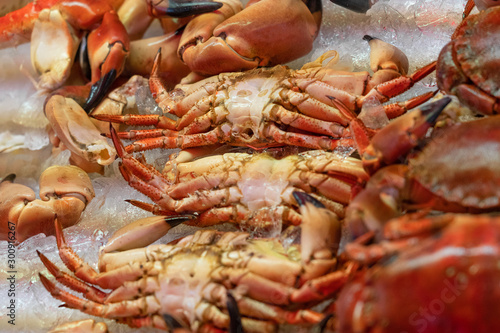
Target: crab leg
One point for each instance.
(161, 122)
(302, 122)
(387, 90)
(236, 213)
(194, 93)
(312, 107)
(199, 113)
(178, 141)
(89, 292)
(304, 140)
(334, 189)
(217, 135)
(397, 109)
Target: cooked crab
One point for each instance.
(190, 280)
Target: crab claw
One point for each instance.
(81, 326)
(98, 90)
(225, 41)
(400, 136)
(77, 133)
(65, 191)
(143, 232)
(52, 32)
(108, 48)
(181, 8)
(321, 230)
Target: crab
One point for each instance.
(189, 281)
(429, 274)
(276, 106)
(467, 66)
(249, 189)
(462, 177)
(65, 191)
(257, 36)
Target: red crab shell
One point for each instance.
(446, 283)
(472, 59)
(469, 155)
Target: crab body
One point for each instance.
(446, 281)
(464, 177)
(467, 66)
(311, 107)
(241, 187)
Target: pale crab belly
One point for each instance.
(182, 282)
(245, 105)
(264, 188)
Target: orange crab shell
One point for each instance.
(469, 61)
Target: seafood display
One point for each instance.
(254, 166)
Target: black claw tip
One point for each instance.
(174, 221)
(433, 110)
(183, 8)
(367, 38)
(320, 327)
(235, 325)
(9, 178)
(171, 322)
(358, 6)
(302, 198)
(99, 90)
